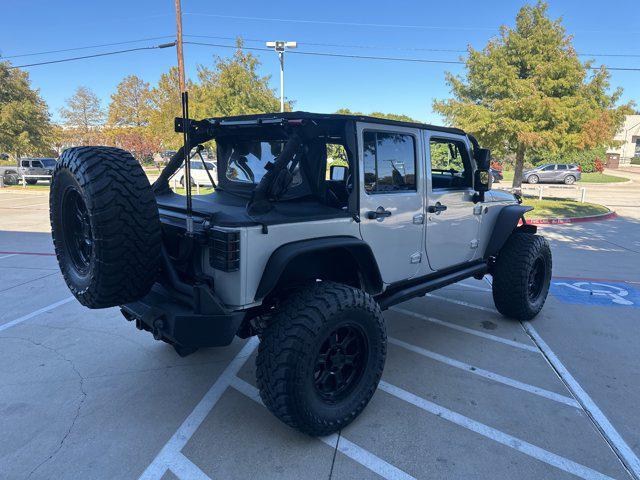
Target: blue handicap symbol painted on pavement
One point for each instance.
(582, 292)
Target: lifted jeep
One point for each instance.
(317, 224)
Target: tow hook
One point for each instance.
(158, 326)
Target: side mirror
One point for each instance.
(483, 177)
(483, 158)
(337, 173)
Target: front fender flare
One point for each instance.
(505, 225)
(285, 254)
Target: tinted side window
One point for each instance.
(562, 167)
(548, 168)
(25, 163)
(389, 162)
(37, 164)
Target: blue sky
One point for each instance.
(400, 28)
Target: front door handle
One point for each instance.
(378, 214)
(437, 208)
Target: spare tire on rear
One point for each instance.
(105, 226)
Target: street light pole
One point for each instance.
(281, 55)
(279, 47)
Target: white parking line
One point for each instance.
(179, 439)
(630, 459)
(28, 316)
(460, 302)
(185, 469)
(493, 434)
(470, 331)
(477, 287)
(599, 419)
(350, 449)
(7, 256)
(17, 207)
(486, 373)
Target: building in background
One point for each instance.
(629, 136)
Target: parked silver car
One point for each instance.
(553, 173)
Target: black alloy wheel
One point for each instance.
(77, 237)
(536, 280)
(340, 363)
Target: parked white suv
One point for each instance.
(303, 254)
(199, 175)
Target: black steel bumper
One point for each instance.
(194, 322)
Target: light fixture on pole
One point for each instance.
(279, 47)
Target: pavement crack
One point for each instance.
(335, 452)
(83, 396)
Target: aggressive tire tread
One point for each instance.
(124, 221)
(511, 274)
(287, 341)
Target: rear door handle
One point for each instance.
(437, 208)
(378, 214)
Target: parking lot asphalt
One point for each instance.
(466, 393)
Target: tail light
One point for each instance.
(579, 168)
(224, 250)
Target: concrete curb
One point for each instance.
(559, 221)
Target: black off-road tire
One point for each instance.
(290, 349)
(518, 264)
(105, 226)
(31, 181)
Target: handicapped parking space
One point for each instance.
(433, 417)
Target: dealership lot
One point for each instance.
(465, 393)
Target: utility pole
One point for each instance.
(184, 96)
(183, 87)
(279, 47)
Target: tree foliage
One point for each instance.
(166, 106)
(83, 110)
(234, 87)
(131, 103)
(527, 92)
(25, 126)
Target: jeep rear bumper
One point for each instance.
(190, 324)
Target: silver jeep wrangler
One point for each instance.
(317, 224)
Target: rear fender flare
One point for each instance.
(286, 255)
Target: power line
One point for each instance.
(348, 24)
(372, 57)
(312, 44)
(87, 47)
(116, 52)
(316, 54)
(326, 54)
(382, 25)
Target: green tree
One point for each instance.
(527, 92)
(25, 126)
(166, 106)
(234, 87)
(83, 111)
(131, 103)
